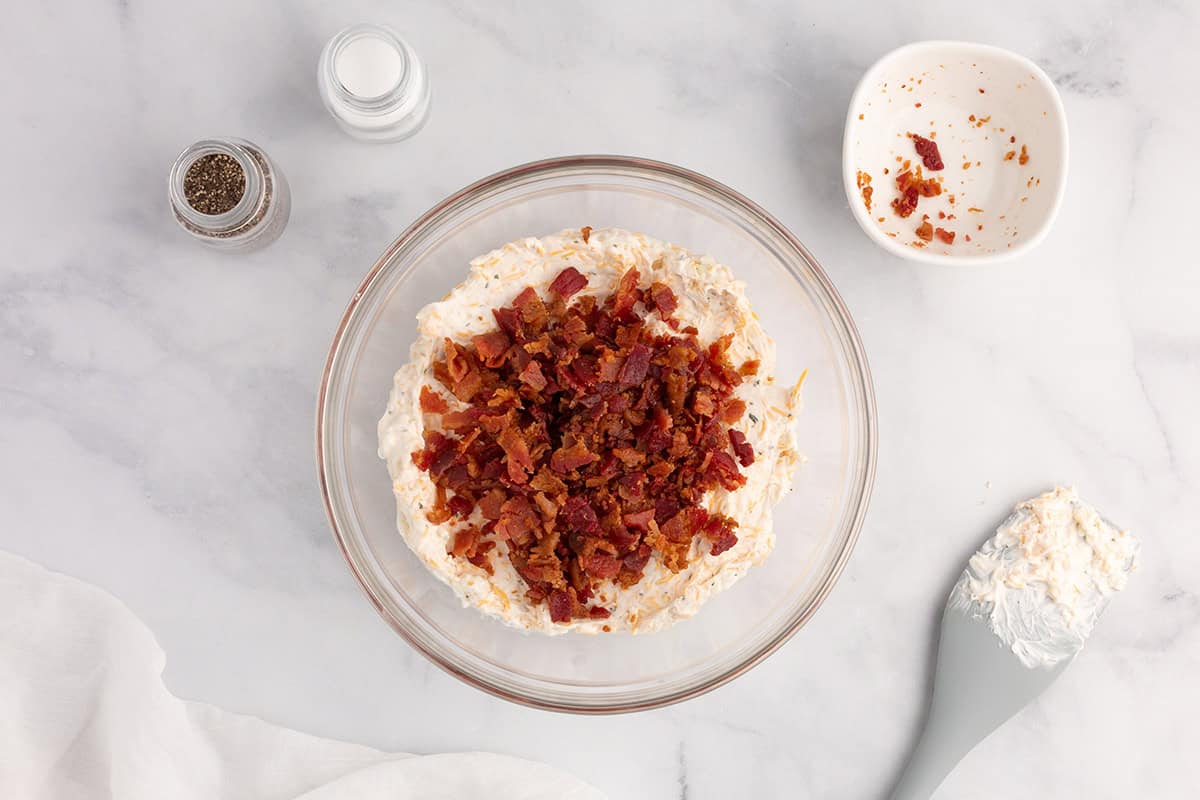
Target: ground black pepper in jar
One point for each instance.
(214, 183)
(228, 194)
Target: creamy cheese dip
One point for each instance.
(711, 300)
(1042, 581)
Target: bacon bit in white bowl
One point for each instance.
(955, 153)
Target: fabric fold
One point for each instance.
(84, 714)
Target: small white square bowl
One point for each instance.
(1000, 127)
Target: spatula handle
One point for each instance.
(978, 685)
(938, 751)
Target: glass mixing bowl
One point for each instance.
(816, 524)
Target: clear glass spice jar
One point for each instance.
(228, 194)
(374, 84)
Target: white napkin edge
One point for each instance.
(84, 713)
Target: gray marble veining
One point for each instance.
(156, 399)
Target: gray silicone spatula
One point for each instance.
(1017, 617)
(979, 684)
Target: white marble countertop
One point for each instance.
(156, 432)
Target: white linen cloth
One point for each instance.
(84, 714)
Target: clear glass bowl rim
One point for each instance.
(715, 191)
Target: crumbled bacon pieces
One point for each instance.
(432, 402)
(491, 347)
(720, 534)
(864, 185)
(567, 459)
(636, 365)
(586, 233)
(570, 280)
(560, 606)
(913, 186)
(925, 231)
(927, 149)
(743, 449)
(664, 299)
(906, 203)
(944, 235)
(581, 444)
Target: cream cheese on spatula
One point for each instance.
(1043, 580)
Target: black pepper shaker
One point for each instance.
(228, 194)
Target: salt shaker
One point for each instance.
(374, 84)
